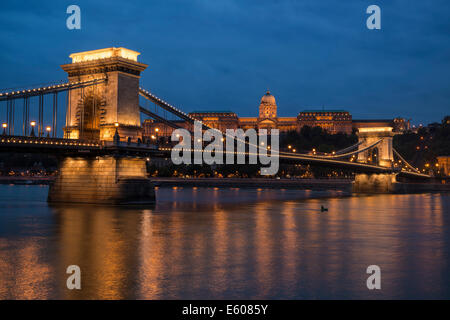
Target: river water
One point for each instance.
(224, 243)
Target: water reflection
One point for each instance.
(227, 243)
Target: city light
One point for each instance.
(33, 123)
(116, 124)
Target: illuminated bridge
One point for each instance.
(102, 151)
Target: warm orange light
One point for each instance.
(293, 150)
(104, 54)
(33, 123)
(289, 147)
(153, 137)
(116, 124)
(157, 129)
(48, 128)
(4, 125)
(380, 129)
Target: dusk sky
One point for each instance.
(224, 54)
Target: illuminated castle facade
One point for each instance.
(334, 121)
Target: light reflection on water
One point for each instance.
(225, 243)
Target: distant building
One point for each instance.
(401, 125)
(221, 120)
(444, 164)
(334, 121)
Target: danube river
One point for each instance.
(226, 243)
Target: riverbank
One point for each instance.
(256, 183)
(26, 180)
(304, 184)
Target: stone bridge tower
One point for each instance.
(382, 154)
(94, 111)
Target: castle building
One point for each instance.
(334, 121)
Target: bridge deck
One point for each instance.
(85, 148)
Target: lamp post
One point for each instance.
(33, 124)
(4, 126)
(156, 134)
(116, 134)
(48, 129)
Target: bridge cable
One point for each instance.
(406, 162)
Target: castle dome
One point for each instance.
(268, 106)
(268, 99)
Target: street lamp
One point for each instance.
(116, 134)
(156, 133)
(48, 129)
(4, 126)
(33, 124)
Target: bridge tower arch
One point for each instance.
(385, 153)
(93, 111)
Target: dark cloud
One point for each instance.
(224, 54)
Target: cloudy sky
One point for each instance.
(224, 54)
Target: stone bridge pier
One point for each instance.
(103, 180)
(375, 183)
